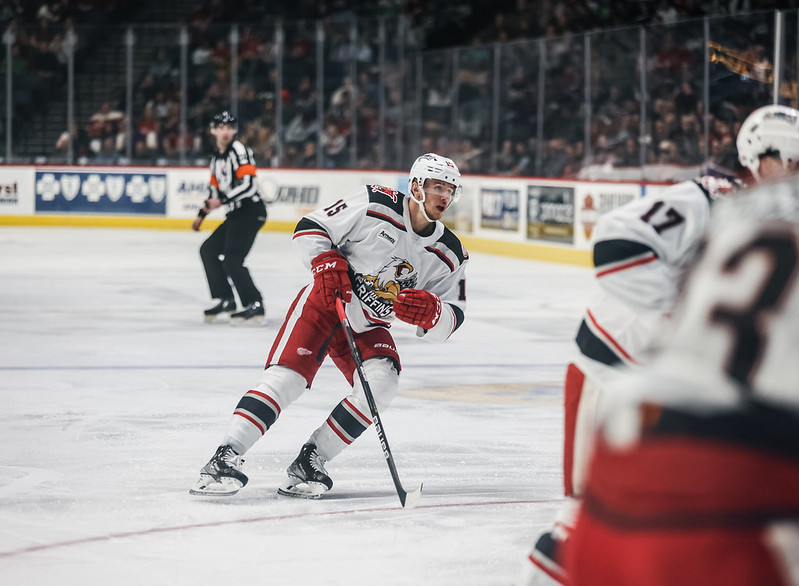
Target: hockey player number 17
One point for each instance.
(673, 217)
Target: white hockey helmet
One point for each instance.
(770, 130)
(433, 166)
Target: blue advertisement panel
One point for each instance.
(499, 209)
(101, 192)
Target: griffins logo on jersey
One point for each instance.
(379, 291)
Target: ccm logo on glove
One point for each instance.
(418, 307)
(330, 274)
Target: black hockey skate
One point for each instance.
(308, 478)
(221, 310)
(547, 557)
(253, 314)
(222, 475)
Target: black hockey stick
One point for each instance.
(408, 499)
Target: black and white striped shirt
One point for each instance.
(233, 177)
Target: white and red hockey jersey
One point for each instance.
(736, 332)
(699, 449)
(371, 228)
(641, 251)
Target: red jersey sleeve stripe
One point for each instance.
(385, 218)
(311, 233)
(627, 265)
(608, 337)
(442, 256)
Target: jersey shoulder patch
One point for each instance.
(385, 204)
(386, 196)
(716, 187)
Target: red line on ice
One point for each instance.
(157, 530)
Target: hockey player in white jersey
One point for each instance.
(388, 255)
(641, 252)
(694, 477)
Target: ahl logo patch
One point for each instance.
(392, 193)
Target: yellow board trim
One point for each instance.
(528, 250)
(473, 244)
(127, 222)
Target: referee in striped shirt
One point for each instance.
(234, 185)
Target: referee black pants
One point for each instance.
(224, 251)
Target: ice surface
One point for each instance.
(114, 393)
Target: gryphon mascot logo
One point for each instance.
(380, 290)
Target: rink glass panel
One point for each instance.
(559, 103)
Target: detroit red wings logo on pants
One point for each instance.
(311, 331)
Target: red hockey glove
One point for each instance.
(329, 271)
(418, 307)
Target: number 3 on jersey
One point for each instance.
(748, 323)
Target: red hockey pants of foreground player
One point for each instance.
(684, 512)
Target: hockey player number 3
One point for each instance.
(747, 322)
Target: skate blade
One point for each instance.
(220, 318)
(207, 486)
(302, 490)
(253, 322)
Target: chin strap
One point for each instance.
(421, 202)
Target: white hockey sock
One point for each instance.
(328, 444)
(258, 409)
(352, 416)
(241, 435)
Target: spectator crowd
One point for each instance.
(403, 76)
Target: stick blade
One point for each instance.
(410, 499)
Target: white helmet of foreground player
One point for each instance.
(769, 131)
(433, 166)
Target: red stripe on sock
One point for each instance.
(343, 437)
(251, 420)
(267, 397)
(366, 420)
